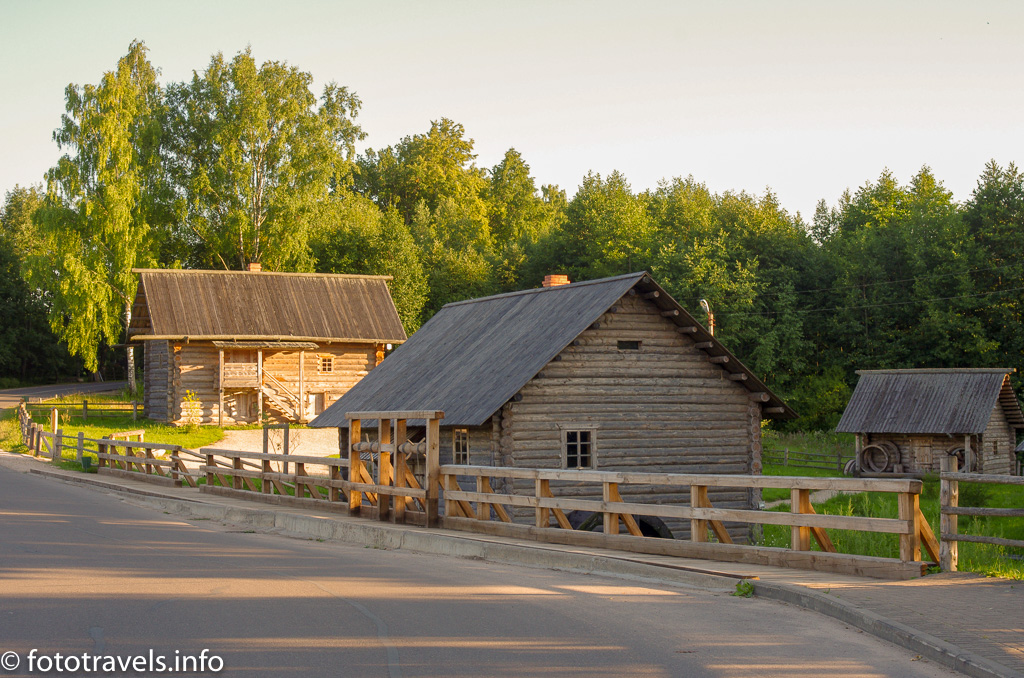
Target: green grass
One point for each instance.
(776, 494)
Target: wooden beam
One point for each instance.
(800, 537)
(689, 329)
(909, 509)
(220, 389)
(759, 396)
(703, 345)
(719, 359)
(302, 399)
(739, 376)
(673, 313)
(385, 473)
(396, 414)
(651, 295)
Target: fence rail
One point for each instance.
(829, 461)
(85, 411)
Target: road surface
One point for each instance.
(87, 572)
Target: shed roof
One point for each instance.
(935, 401)
(473, 356)
(237, 305)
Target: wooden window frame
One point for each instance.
(626, 345)
(321, 360)
(457, 453)
(591, 432)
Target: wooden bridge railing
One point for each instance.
(237, 473)
(472, 510)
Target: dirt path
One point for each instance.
(313, 442)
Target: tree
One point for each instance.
(28, 348)
(252, 157)
(95, 224)
(355, 237)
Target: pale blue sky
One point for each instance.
(808, 98)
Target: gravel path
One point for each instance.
(312, 442)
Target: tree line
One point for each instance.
(245, 163)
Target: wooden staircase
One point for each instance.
(281, 397)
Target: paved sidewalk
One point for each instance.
(970, 623)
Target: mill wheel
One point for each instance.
(960, 453)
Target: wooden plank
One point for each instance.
(355, 465)
(304, 459)
(928, 540)
(433, 474)
(842, 563)
(400, 470)
(970, 511)
(542, 515)
(397, 414)
(698, 500)
(385, 473)
(800, 536)
(949, 497)
(997, 541)
(820, 536)
(983, 478)
(611, 520)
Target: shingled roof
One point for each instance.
(473, 356)
(936, 401)
(235, 305)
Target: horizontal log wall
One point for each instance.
(197, 366)
(663, 408)
(997, 454)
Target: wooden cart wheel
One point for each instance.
(959, 453)
(879, 457)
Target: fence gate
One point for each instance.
(394, 469)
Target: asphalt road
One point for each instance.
(11, 397)
(86, 572)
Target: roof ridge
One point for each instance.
(944, 370)
(197, 271)
(537, 290)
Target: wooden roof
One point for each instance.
(264, 306)
(930, 401)
(473, 356)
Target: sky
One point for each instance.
(805, 99)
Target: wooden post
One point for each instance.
(355, 497)
(220, 388)
(101, 461)
(785, 456)
(209, 472)
(58, 442)
(384, 468)
(259, 381)
(542, 515)
(611, 520)
(285, 445)
(483, 509)
(910, 544)
(302, 398)
(54, 418)
(400, 470)
(698, 499)
(949, 497)
(433, 475)
(236, 480)
(81, 446)
(858, 446)
(85, 410)
(800, 502)
(968, 467)
(267, 487)
(175, 463)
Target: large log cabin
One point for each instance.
(230, 347)
(609, 374)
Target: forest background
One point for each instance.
(246, 163)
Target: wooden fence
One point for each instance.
(380, 479)
(85, 411)
(950, 510)
(829, 461)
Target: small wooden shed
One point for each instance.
(609, 374)
(906, 420)
(230, 347)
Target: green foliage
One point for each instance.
(744, 589)
(95, 224)
(252, 156)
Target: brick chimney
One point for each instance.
(555, 280)
(255, 267)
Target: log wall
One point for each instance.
(157, 391)
(195, 368)
(662, 408)
(997, 445)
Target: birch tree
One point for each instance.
(95, 224)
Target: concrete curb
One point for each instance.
(363, 532)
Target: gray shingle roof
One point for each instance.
(937, 401)
(473, 356)
(244, 305)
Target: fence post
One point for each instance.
(433, 475)
(54, 418)
(910, 544)
(698, 526)
(541, 515)
(81, 446)
(355, 497)
(35, 439)
(785, 457)
(800, 502)
(58, 441)
(949, 497)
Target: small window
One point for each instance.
(578, 448)
(326, 365)
(460, 446)
(629, 345)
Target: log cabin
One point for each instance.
(907, 420)
(234, 347)
(609, 374)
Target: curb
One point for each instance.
(374, 534)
